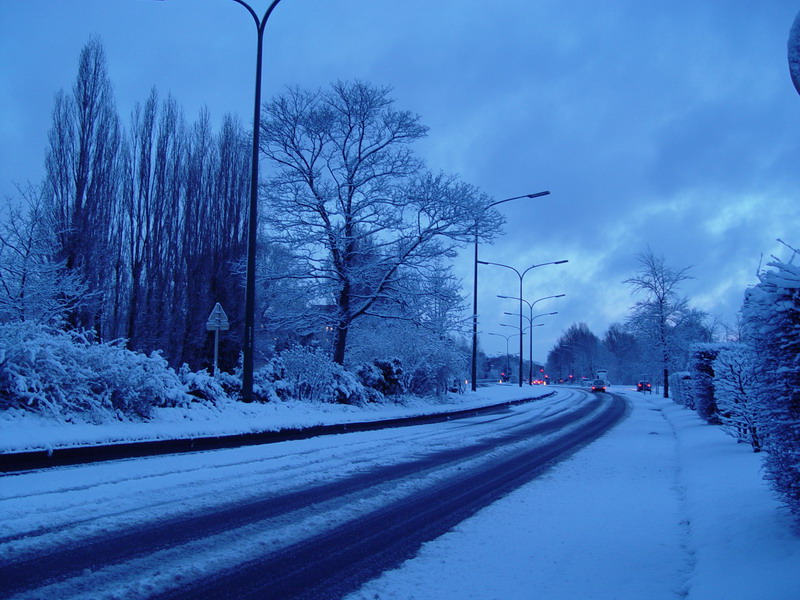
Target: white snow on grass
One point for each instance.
(661, 507)
(21, 430)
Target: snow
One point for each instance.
(21, 430)
(662, 506)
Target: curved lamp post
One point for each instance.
(248, 343)
(521, 277)
(474, 370)
(530, 341)
(574, 349)
(521, 334)
(530, 320)
(252, 224)
(530, 350)
(507, 337)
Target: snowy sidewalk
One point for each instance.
(661, 507)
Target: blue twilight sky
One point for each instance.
(668, 123)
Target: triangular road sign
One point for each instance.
(217, 319)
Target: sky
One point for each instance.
(672, 125)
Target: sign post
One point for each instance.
(217, 321)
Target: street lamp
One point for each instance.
(248, 343)
(507, 337)
(571, 348)
(248, 349)
(530, 351)
(474, 371)
(530, 341)
(521, 334)
(521, 277)
(531, 319)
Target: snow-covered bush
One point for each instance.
(736, 394)
(431, 373)
(64, 375)
(701, 367)
(771, 330)
(431, 360)
(384, 376)
(269, 382)
(347, 389)
(680, 388)
(231, 384)
(311, 375)
(201, 385)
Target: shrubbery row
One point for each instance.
(63, 374)
(752, 388)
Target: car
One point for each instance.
(598, 385)
(644, 386)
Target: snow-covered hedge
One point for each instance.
(701, 367)
(771, 328)
(680, 388)
(65, 375)
(752, 388)
(722, 388)
(737, 395)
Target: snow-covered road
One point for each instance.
(165, 521)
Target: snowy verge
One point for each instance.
(662, 506)
(741, 538)
(22, 431)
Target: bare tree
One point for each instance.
(182, 221)
(353, 202)
(658, 318)
(81, 166)
(138, 202)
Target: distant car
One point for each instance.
(598, 385)
(644, 386)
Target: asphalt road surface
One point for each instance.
(306, 519)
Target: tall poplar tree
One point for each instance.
(82, 179)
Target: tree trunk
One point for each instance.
(340, 343)
(133, 315)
